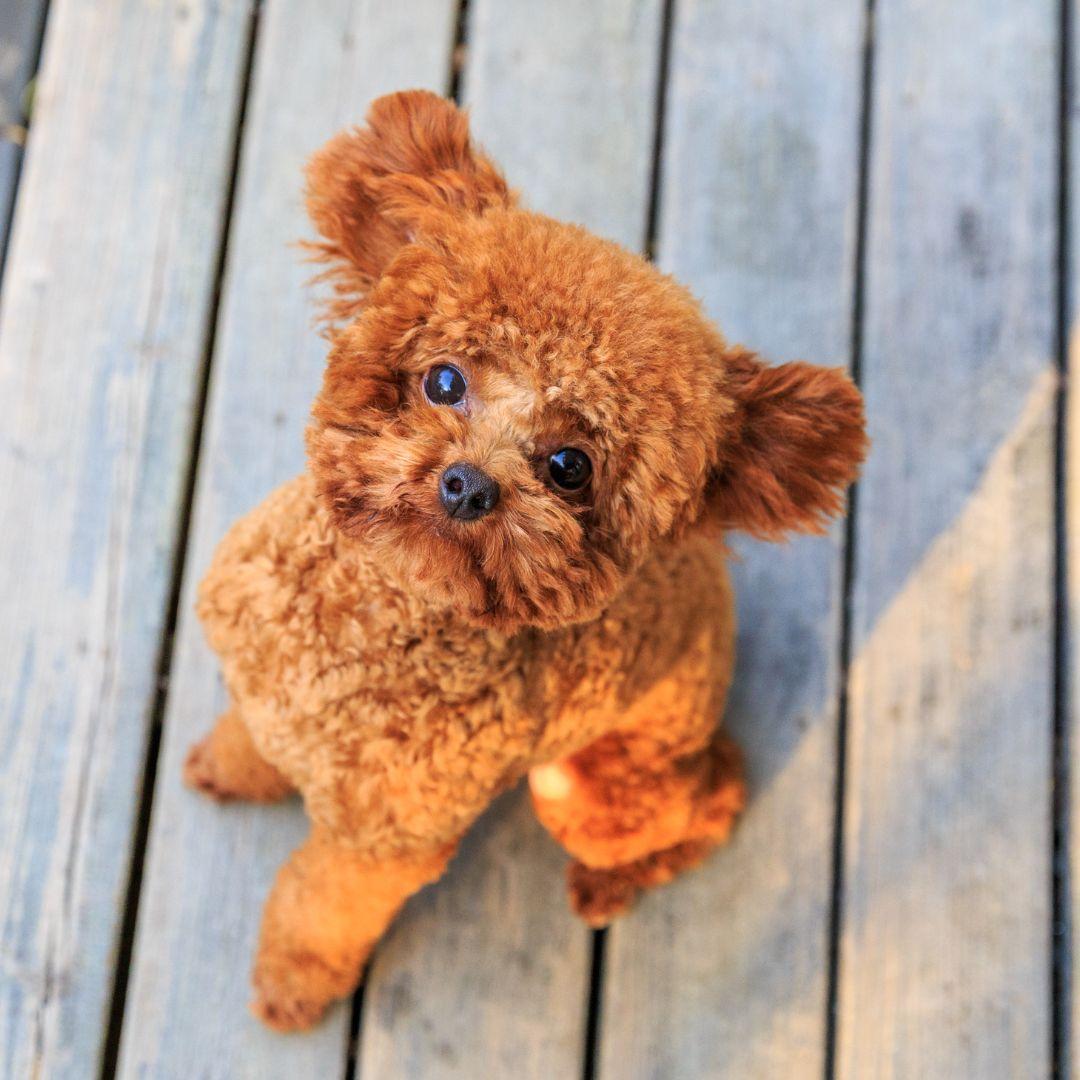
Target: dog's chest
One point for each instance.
(378, 687)
(391, 654)
(304, 620)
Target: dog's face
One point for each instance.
(516, 412)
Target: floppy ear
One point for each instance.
(792, 445)
(371, 190)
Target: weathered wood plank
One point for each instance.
(487, 974)
(723, 973)
(317, 66)
(945, 944)
(564, 96)
(108, 293)
(20, 27)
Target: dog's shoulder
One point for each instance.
(259, 564)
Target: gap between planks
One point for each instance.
(1061, 781)
(855, 349)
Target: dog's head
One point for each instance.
(515, 412)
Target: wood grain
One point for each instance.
(945, 944)
(106, 308)
(487, 974)
(563, 94)
(20, 29)
(317, 66)
(724, 972)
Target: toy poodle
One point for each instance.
(505, 557)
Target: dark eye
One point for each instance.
(570, 468)
(445, 385)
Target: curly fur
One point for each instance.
(400, 667)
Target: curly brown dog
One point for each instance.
(504, 558)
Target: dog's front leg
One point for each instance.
(329, 906)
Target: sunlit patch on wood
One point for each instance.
(946, 902)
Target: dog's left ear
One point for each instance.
(373, 189)
(791, 445)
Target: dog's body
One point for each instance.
(496, 564)
(398, 722)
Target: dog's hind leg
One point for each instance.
(225, 765)
(635, 810)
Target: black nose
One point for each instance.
(467, 492)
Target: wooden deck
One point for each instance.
(886, 186)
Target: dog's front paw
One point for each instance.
(288, 1014)
(284, 1012)
(293, 989)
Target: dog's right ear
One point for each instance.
(371, 190)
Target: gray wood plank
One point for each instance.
(945, 944)
(108, 292)
(20, 27)
(487, 974)
(564, 96)
(317, 66)
(723, 973)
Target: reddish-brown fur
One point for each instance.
(399, 667)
